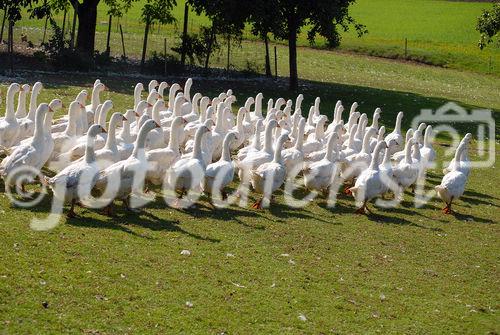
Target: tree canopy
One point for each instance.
(488, 24)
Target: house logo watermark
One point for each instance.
(479, 123)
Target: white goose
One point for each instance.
(400, 155)
(28, 123)
(9, 127)
(453, 183)
(221, 173)
(110, 154)
(406, 172)
(427, 151)
(187, 173)
(320, 175)
(65, 140)
(463, 158)
(293, 157)
(315, 140)
(21, 102)
(126, 171)
(76, 181)
(369, 183)
(139, 87)
(95, 101)
(269, 176)
(162, 158)
(395, 140)
(32, 154)
(260, 157)
(255, 145)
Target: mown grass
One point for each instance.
(401, 270)
(439, 32)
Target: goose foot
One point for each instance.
(447, 209)
(130, 209)
(347, 190)
(360, 210)
(257, 204)
(109, 210)
(71, 214)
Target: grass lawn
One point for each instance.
(314, 270)
(439, 32)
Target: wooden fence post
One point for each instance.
(406, 48)
(11, 46)
(228, 51)
(123, 43)
(109, 35)
(165, 55)
(275, 62)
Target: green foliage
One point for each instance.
(488, 24)
(194, 46)
(156, 64)
(158, 11)
(61, 55)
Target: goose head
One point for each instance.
(162, 87)
(354, 106)
(141, 108)
(153, 84)
(82, 97)
(55, 105)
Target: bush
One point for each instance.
(156, 64)
(61, 55)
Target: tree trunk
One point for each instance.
(3, 24)
(63, 26)
(87, 20)
(268, 59)
(73, 29)
(109, 36)
(145, 44)
(184, 34)
(292, 52)
(209, 51)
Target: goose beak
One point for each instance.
(81, 105)
(124, 118)
(157, 125)
(149, 105)
(136, 114)
(51, 110)
(160, 96)
(104, 131)
(106, 88)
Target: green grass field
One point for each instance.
(401, 270)
(439, 33)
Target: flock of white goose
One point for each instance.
(185, 133)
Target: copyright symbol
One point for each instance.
(17, 178)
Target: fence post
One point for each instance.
(109, 36)
(275, 62)
(184, 34)
(165, 55)
(228, 50)
(123, 43)
(45, 29)
(406, 47)
(11, 46)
